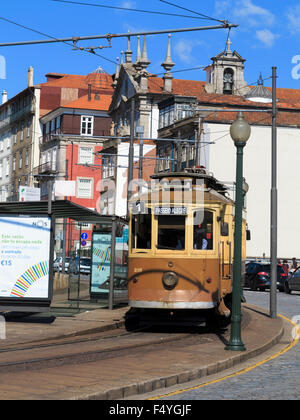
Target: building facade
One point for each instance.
(186, 113)
(73, 136)
(19, 139)
(20, 127)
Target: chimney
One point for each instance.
(30, 76)
(89, 92)
(4, 97)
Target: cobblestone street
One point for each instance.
(276, 379)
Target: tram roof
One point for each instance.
(210, 180)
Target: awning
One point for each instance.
(60, 209)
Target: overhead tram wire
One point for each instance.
(54, 39)
(193, 11)
(128, 9)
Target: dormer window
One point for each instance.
(87, 126)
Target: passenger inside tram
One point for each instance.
(203, 232)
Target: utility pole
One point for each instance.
(273, 291)
(131, 153)
(198, 144)
(140, 132)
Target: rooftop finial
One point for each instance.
(128, 53)
(138, 56)
(228, 43)
(114, 84)
(144, 59)
(168, 63)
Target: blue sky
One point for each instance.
(268, 35)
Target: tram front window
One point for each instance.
(141, 231)
(203, 232)
(171, 232)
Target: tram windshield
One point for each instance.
(141, 231)
(203, 230)
(171, 232)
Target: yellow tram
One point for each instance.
(181, 250)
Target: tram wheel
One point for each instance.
(132, 319)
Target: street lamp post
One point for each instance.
(240, 132)
(262, 95)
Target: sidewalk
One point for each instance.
(129, 375)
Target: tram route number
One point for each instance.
(170, 211)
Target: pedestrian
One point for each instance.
(285, 267)
(293, 264)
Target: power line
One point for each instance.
(54, 39)
(192, 11)
(128, 9)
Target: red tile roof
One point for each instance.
(101, 104)
(287, 98)
(99, 81)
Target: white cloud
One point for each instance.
(293, 15)
(246, 10)
(185, 50)
(266, 37)
(128, 4)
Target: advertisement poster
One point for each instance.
(24, 256)
(101, 253)
(101, 259)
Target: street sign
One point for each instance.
(29, 193)
(84, 235)
(83, 243)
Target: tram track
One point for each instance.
(91, 347)
(99, 345)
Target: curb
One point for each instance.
(183, 377)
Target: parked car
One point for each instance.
(85, 265)
(258, 276)
(292, 282)
(58, 263)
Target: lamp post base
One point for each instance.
(235, 347)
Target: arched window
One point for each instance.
(228, 81)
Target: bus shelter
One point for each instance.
(63, 256)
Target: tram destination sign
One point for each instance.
(170, 211)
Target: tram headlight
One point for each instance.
(169, 280)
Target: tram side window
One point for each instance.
(171, 232)
(141, 231)
(203, 232)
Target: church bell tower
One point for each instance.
(226, 73)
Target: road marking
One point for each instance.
(240, 372)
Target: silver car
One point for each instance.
(293, 282)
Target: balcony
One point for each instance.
(58, 135)
(11, 119)
(46, 168)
